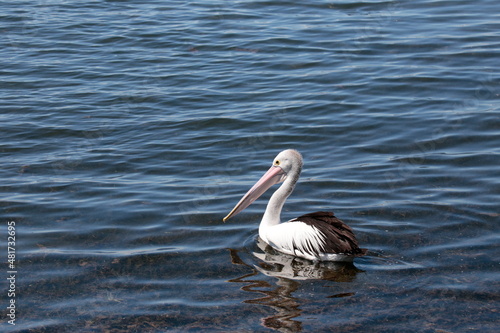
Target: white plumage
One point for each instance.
(295, 238)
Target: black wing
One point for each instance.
(339, 237)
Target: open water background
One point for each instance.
(129, 129)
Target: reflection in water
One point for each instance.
(289, 271)
(275, 263)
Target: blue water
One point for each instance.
(131, 128)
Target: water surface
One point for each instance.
(130, 129)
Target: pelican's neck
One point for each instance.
(273, 211)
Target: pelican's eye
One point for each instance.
(277, 162)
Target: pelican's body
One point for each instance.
(316, 236)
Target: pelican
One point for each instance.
(316, 236)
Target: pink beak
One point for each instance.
(274, 175)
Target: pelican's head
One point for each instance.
(290, 161)
(286, 164)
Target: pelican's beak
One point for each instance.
(274, 175)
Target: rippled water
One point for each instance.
(130, 129)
